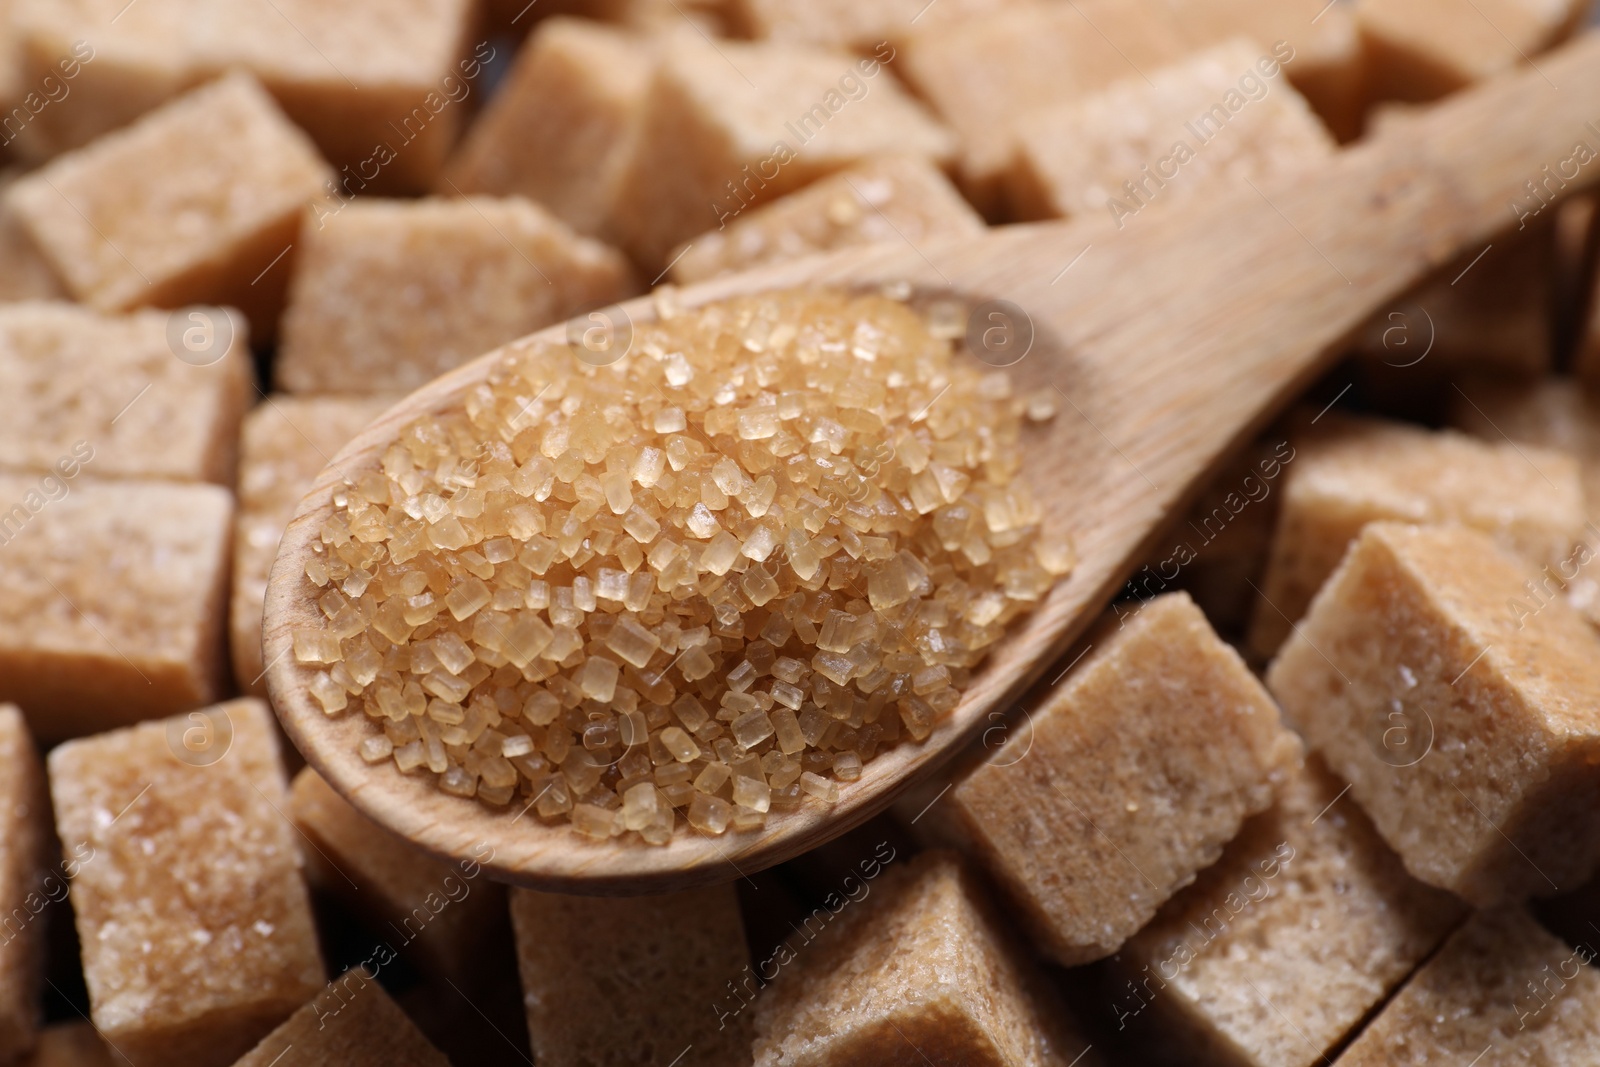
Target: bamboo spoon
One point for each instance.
(1170, 340)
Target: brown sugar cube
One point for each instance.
(1423, 49)
(70, 1045)
(192, 204)
(195, 924)
(24, 273)
(619, 982)
(24, 813)
(897, 198)
(1306, 898)
(1219, 118)
(1349, 472)
(915, 970)
(1128, 781)
(730, 126)
(283, 445)
(192, 914)
(982, 75)
(1554, 413)
(145, 406)
(561, 128)
(112, 599)
(445, 910)
(391, 294)
(353, 1023)
(854, 24)
(382, 89)
(1466, 721)
(1502, 989)
(1328, 64)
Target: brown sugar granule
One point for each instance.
(632, 981)
(1502, 989)
(1464, 718)
(1124, 784)
(195, 923)
(113, 598)
(283, 444)
(70, 377)
(915, 970)
(439, 912)
(351, 1023)
(24, 820)
(1284, 945)
(701, 583)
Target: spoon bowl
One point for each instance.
(1166, 342)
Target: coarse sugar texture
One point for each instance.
(1126, 783)
(1465, 718)
(113, 599)
(110, 385)
(1502, 982)
(24, 815)
(193, 203)
(618, 982)
(918, 972)
(196, 927)
(1285, 944)
(698, 584)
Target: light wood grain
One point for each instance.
(1170, 340)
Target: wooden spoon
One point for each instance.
(1170, 341)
